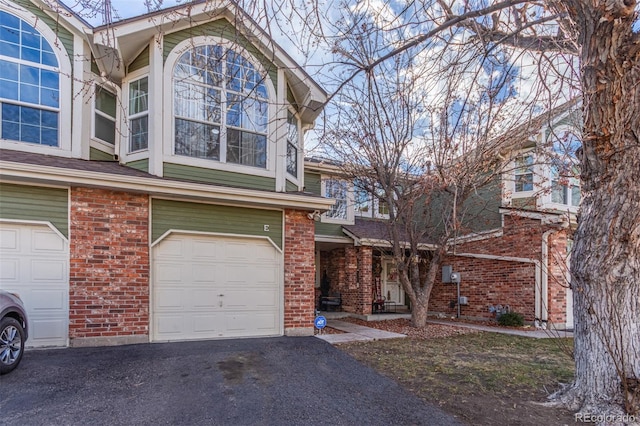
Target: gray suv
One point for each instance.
(13, 331)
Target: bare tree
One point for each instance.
(601, 36)
(419, 133)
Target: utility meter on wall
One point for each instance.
(455, 277)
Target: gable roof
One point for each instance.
(118, 43)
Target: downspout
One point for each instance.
(544, 282)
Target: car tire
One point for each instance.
(11, 344)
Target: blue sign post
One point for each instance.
(320, 322)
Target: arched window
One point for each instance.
(29, 84)
(220, 107)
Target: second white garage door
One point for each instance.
(208, 286)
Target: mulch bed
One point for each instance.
(402, 325)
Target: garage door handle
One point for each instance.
(221, 295)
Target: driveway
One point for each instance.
(267, 381)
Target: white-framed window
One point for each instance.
(293, 142)
(369, 200)
(30, 85)
(220, 107)
(564, 168)
(138, 119)
(105, 108)
(342, 210)
(524, 173)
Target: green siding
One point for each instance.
(142, 165)
(221, 28)
(178, 215)
(313, 183)
(64, 36)
(94, 66)
(97, 155)
(291, 187)
(482, 209)
(528, 203)
(141, 61)
(329, 229)
(35, 203)
(219, 177)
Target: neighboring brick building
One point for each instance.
(136, 205)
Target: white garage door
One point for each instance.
(34, 264)
(211, 287)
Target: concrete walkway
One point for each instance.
(537, 334)
(356, 333)
(359, 333)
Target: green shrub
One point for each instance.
(511, 319)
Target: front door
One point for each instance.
(391, 287)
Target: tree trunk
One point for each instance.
(606, 256)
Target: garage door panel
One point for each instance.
(205, 298)
(204, 273)
(34, 262)
(169, 272)
(204, 324)
(171, 249)
(47, 332)
(169, 299)
(47, 242)
(9, 240)
(229, 286)
(9, 269)
(203, 249)
(46, 300)
(47, 270)
(169, 326)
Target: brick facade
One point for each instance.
(491, 282)
(487, 280)
(109, 267)
(299, 273)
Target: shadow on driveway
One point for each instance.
(267, 381)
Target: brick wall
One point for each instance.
(490, 282)
(299, 273)
(109, 269)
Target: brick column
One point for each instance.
(299, 274)
(365, 285)
(109, 270)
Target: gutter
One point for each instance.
(11, 172)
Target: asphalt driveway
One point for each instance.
(277, 381)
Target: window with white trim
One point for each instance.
(293, 136)
(338, 189)
(105, 106)
(220, 107)
(139, 115)
(565, 185)
(29, 84)
(524, 173)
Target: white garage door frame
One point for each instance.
(171, 232)
(49, 324)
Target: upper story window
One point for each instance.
(29, 84)
(565, 185)
(292, 144)
(524, 173)
(338, 189)
(139, 114)
(220, 107)
(369, 200)
(104, 125)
